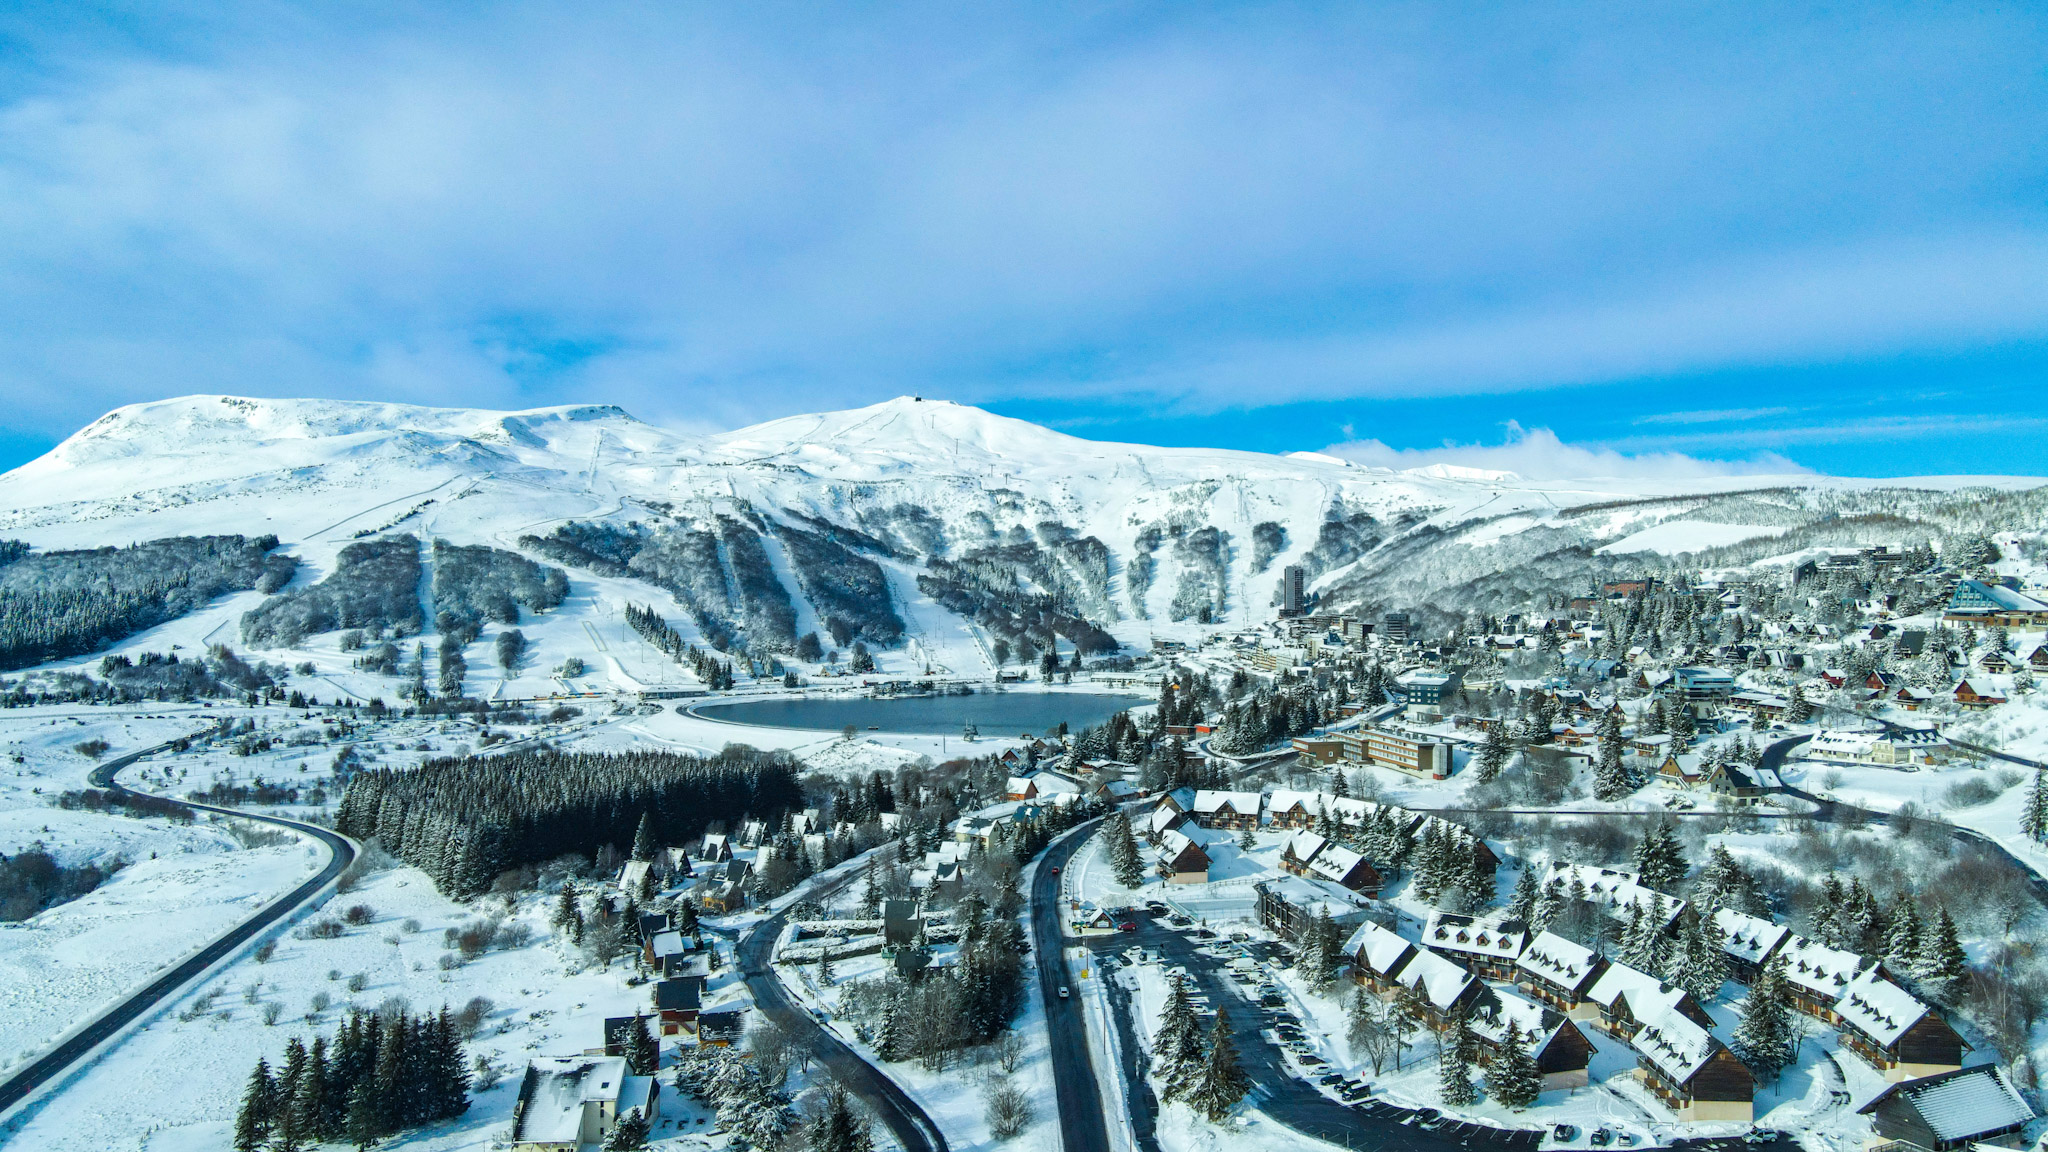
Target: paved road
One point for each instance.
(341, 853)
(913, 1129)
(1084, 1125)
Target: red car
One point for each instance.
(1127, 926)
(1055, 871)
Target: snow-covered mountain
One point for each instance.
(902, 522)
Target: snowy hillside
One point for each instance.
(938, 535)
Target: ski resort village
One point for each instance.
(916, 778)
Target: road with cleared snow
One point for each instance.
(1084, 1123)
(55, 1063)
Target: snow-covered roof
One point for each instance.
(1614, 890)
(1304, 846)
(1214, 800)
(1879, 1008)
(1747, 937)
(1495, 936)
(1285, 800)
(670, 943)
(1055, 783)
(1175, 842)
(555, 1090)
(1379, 948)
(1643, 990)
(1018, 785)
(1164, 818)
(1335, 862)
(1819, 969)
(1439, 980)
(1502, 1007)
(1563, 962)
(1676, 1045)
(1959, 1105)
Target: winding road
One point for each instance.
(23, 1083)
(1084, 1124)
(755, 950)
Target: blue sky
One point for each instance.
(1553, 237)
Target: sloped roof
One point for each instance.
(1676, 1046)
(1213, 800)
(1879, 1008)
(1643, 990)
(1961, 1104)
(1562, 962)
(555, 1090)
(1439, 980)
(1747, 937)
(1304, 846)
(1335, 862)
(1500, 1007)
(1615, 890)
(1820, 969)
(1381, 949)
(1494, 936)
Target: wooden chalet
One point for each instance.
(1747, 942)
(1978, 693)
(1625, 995)
(1287, 809)
(1235, 811)
(1163, 819)
(1443, 990)
(1301, 848)
(1951, 1111)
(1378, 954)
(1485, 946)
(1560, 972)
(1817, 975)
(716, 849)
(1689, 1071)
(1562, 1052)
(1894, 1032)
(1345, 867)
(1688, 770)
(676, 1003)
(1180, 860)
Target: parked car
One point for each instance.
(1564, 1133)
(1128, 926)
(1156, 906)
(1601, 1138)
(1626, 1139)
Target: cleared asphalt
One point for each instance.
(19, 1085)
(1084, 1125)
(906, 1121)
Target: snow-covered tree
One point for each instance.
(629, 1134)
(1765, 1038)
(1493, 755)
(2034, 812)
(1454, 1066)
(1522, 905)
(1941, 966)
(1122, 846)
(1177, 1047)
(1512, 1077)
(1700, 966)
(1660, 860)
(1222, 1083)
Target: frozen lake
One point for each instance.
(993, 713)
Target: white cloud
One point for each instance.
(1538, 454)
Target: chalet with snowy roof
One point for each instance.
(1615, 892)
(1817, 976)
(1747, 942)
(1232, 810)
(664, 944)
(1996, 661)
(1689, 1071)
(1179, 860)
(676, 861)
(1446, 991)
(1487, 946)
(566, 1103)
(1163, 819)
(1978, 693)
(1560, 972)
(2038, 658)
(1301, 848)
(1116, 791)
(635, 875)
(1762, 705)
(1288, 809)
(1650, 745)
(753, 833)
(1912, 698)
(1894, 1032)
(1625, 995)
(1345, 867)
(1986, 605)
(1378, 954)
(1562, 1052)
(1951, 1111)
(716, 849)
(1688, 770)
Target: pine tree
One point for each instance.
(824, 966)
(1799, 709)
(363, 1125)
(1177, 1048)
(889, 1038)
(643, 838)
(629, 1134)
(1454, 1066)
(1493, 755)
(2034, 815)
(1941, 966)
(1764, 1038)
(1522, 905)
(643, 1051)
(1700, 968)
(1512, 1077)
(1611, 780)
(252, 1122)
(1660, 860)
(1222, 1083)
(1902, 941)
(1123, 853)
(1249, 839)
